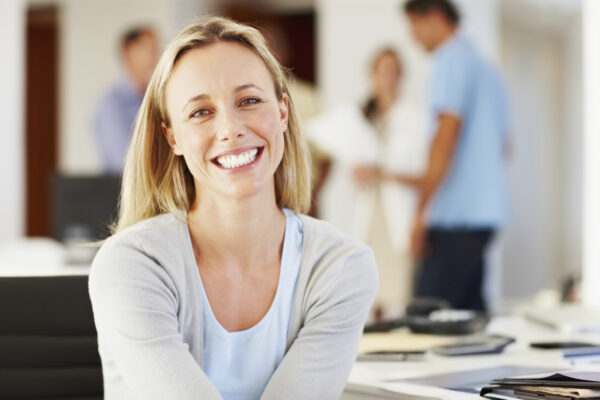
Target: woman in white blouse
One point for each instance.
(385, 133)
(214, 284)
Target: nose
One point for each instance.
(228, 127)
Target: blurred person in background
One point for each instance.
(117, 108)
(463, 195)
(386, 132)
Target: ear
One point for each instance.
(284, 110)
(170, 136)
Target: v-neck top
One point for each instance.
(241, 363)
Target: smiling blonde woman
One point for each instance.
(214, 285)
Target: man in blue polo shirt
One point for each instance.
(463, 194)
(116, 110)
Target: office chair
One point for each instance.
(48, 346)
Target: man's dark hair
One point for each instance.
(424, 6)
(133, 34)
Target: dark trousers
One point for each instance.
(453, 266)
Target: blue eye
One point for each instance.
(250, 101)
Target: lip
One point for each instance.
(236, 152)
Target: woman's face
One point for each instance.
(386, 75)
(226, 120)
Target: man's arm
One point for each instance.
(440, 158)
(440, 161)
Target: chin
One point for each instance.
(247, 190)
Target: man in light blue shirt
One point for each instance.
(117, 108)
(463, 193)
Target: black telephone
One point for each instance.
(434, 316)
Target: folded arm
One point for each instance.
(135, 307)
(319, 361)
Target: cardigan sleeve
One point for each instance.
(319, 361)
(135, 310)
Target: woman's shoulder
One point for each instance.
(141, 246)
(159, 228)
(335, 266)
(323, 232)
(325, 247)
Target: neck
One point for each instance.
(385, 101)
(236, 232)
(447, 31)
(138, 84)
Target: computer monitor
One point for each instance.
(83, 206)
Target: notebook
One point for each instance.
(568, 319)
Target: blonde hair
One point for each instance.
(155, 180)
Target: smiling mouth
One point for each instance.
(231, 161)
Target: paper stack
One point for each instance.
(558, 386)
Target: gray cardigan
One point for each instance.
(146, 296)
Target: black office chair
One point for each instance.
(48, 346)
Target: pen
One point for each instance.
(392, 356)
(582, 355)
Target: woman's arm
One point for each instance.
(319, 361)
(135, 305)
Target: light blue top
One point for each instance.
(113, 123)
(241, 363)
(474, 193)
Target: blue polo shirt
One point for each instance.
(474, 194)
(114, 118)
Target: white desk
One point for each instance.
(37, 257)
(385, 380)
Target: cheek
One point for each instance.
(194, 144)
(267, 123)
(269, 127)
(418, 32)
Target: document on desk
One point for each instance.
(558, 386)
(401, 341)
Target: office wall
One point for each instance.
(533, 250)
(12, 150)
(542, 62)
(573, 147)
(591, 203)
(89, 64)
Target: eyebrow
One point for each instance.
(247, 86)
(204, 96)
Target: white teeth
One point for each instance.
(239, 160)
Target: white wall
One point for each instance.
(12, 152)
(89, 64)
(573, 149)
(542, 61)
(533, 252)
(349, 33)
(481, 22)
(591, 200)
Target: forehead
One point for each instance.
(217, 67)
(386, 59)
